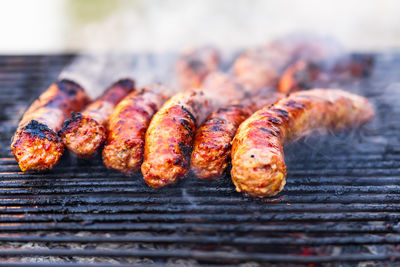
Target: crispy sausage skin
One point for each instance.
(258, 167)
(127, 127)
(195, 64)
(169, 138)
(213, 140)
(85, 132)
(36, 145)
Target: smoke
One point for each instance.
(97, 71)
(87, 70)
(169, 25)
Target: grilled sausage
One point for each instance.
(299, 76)
(255, 69)
(36, 145)
(85, 132)
(212, 143)
(258, 167)
(261, 67)
(169, 138)
(354, 66)
(304, 73)
(195, 64)
(127, 127)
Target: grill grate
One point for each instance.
(341, 203)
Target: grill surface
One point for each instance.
(341, 203)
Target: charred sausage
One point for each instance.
(36, 145)
(212, 143)
(85, 132)
(195, 64)
(258, 167)
(127, 127)
(169, 138)
(213, 139)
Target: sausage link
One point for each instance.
(299, 76)
(127, 127)
(194, 65)
(258, 167)
(213, 140)
(36, 145)
(260, 67)
(304, 73)
(85, 132)
(169, 138)
(212, 143)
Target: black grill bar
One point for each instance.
(331, 227)
(207, 256)
(314, 241)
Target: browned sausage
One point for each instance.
(85, 132)
(169, 138)
(258, 167)
(213, 140)
(304, 73)
(36, 145)
(261, 67)
(195, 64)
(299, 76)
(127, 127)
(212, 143)
(264, 65)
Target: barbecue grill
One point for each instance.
(341, 204)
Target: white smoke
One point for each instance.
(44, 26)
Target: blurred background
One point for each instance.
(54, 26)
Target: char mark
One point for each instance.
(187, 126)
(125, 82)
(269, 131)
(215, 128)
(35, 128)
(70, 87)
(274, 121)
(186, 150)
(75, 116)
(294, 104)
(281, 112)
(190, 114)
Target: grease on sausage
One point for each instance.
(169, 138)
(258, 167)
(85, 132)
(127, 127)
(36, 145)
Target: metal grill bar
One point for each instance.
(315, 241)
(224, 256)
